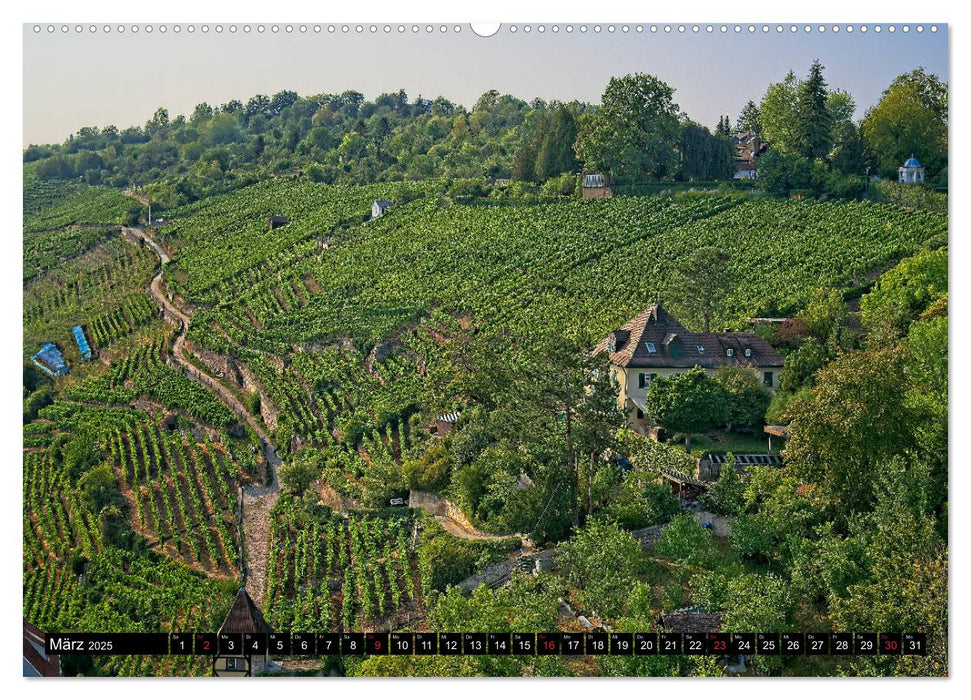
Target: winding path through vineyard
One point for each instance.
(257, 501)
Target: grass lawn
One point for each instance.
(723, 441)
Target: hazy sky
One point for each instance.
(94, 79)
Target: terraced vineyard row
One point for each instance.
(553, 264)
(102, 289)
(51, 205)
(178, 491)
(183, 493)
(122, 321)
(339, 574)
(234, 249)
(53, 521)
(43, 251)
(144, 370)
(58, 532)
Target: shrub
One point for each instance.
(684, 541)
(301, 471)
(445, 560)
(727, 494)
(642, 503)
(99, 488)
(431, 471)
(750, 539)
(604, 562)
(801, 365)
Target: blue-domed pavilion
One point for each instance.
(911, 172)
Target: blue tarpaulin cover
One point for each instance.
(52, 359)
(82, 342)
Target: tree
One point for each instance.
(703, 155)
(99, 488)
(158, 124)
(849, 151)
(524, 164)
(79, 455)
(727, 494)
(634, 132)
(460, 128)
(781, 171)
(442, 107)
(814, 122)
(201, 113)
(134, 213)
(300, 472)
(556, 155)
(684, 540)
(221, 129)
(758, 602)
(603, 562)
(56, 167)
(691, 403)
(257, 105)
(905, 291)
(379, 134)
(700, 286)
(282, 100)
(824, 315)
(232, 107)
(778, 114)
(431, 471)
(566, 395)
(351, 148)
(724, 127)
(640, 501)
(597, 419)
(906, 588)
(910, 119)
(841, 107)
(927, 368)
(113, 525)
(36, 400)
(749, 120)
(748, 398)
(852, 420)
(802, 364)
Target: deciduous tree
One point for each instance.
(691, 403)
(634, 132)
(910, 119)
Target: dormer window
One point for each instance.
(701, 349)
(748, 352)
(730, 352)
(651, 348)
(612, 344)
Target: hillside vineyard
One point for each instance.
(259, 401)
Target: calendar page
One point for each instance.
(556, 349)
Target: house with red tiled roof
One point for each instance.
(654, 344)
(748, 148)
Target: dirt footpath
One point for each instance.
(720, 525)
(257, 501)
